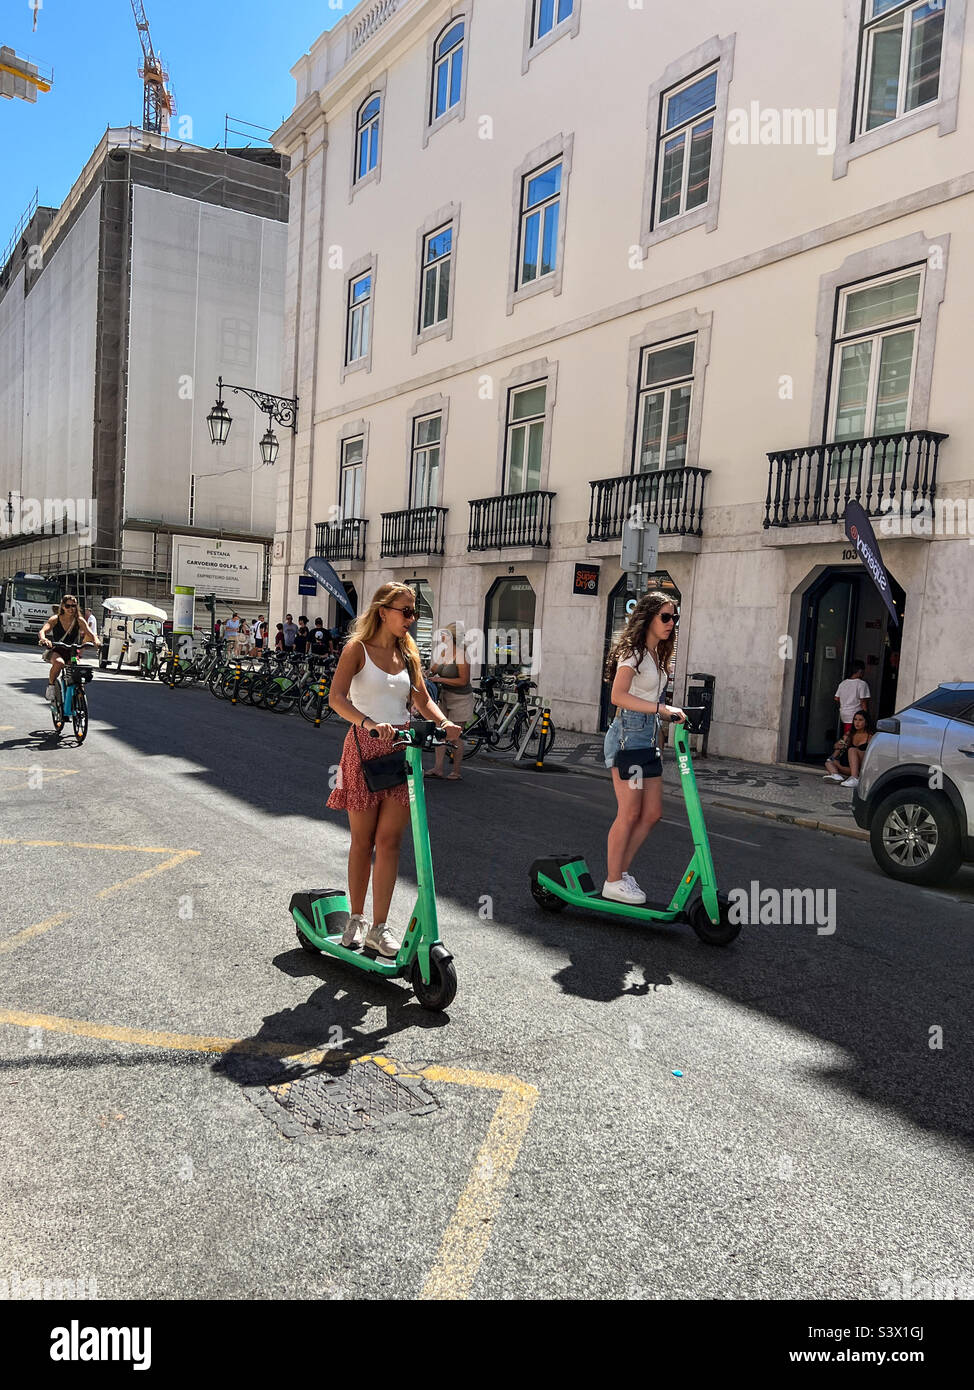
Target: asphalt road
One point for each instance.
(814, 1145)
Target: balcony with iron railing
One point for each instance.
(812, 485)
(417, 531)
(671, 499)
(343, 541)
(514, 520)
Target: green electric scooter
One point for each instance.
(322, 914)
(562, 879)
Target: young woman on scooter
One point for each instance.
(638, 670)
(378, 677)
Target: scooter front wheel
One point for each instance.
(545, 898)
(720, 933)
(441, 990)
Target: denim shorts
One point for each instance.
(627, 732)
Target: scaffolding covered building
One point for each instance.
(162, 270)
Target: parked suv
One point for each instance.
(916, 787)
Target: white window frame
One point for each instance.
(540, 211)
(684, 130)
(646, 391)
(345, 469)
(366, 267)
(433, 269)
(535, 44)
(371, 130)
(870, 27)
(525, 425)
(456, 112)
(852, 143)
(716, 53)
(417, 449)
(359, 320)
(558, 150)
(874, 336)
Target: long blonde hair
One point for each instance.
(367, 624)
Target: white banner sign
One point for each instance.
(229, 569)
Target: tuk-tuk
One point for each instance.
(129, 627)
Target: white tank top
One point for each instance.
(380, 696)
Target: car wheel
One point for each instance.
(914, 836)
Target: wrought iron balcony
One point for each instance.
(341, 540)
(814, 484)
(515, 519)
(418, 531)
(671, 499)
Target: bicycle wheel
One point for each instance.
(472, 739)
(57, 709)
(79, 713)
(308, 706)
(288, 698)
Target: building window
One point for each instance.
(902, 47)
(540, 213)
(447, 71)
(437, 268)
(236, 342)
(424, 485)
(367, 142)
(510, 611)
(547, 14)
(685, 145)
(874, 355)
(665, 394)
(526, 408)
(359, 333)
(352, 482)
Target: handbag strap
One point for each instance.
(357, 746)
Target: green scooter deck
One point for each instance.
(322, 915)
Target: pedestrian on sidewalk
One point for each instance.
(852, 695)
(290, 633)
(451, 672)
(848, 753)
(320, 642)
(638, 670)
(92, 622)
(279, 638)
(259, 630)
(378, 676)
(303, 637)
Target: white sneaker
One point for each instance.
(620, 892)
(631, 884)
(381, 939)
(832, 777)
(851, 782)
(355, 931)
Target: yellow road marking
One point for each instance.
(37, 930)
(26, 772)
(81, 844)
(465, 1241)
(177, 857)
(464, 1245)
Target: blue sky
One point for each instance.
(223, 56)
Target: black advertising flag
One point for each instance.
(329, 580)
(859, 530)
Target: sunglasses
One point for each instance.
(409, 613)
(69, 605)
(673, 618)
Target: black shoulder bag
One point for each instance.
(382, 773)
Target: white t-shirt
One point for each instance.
(850, 694)
(649, 682)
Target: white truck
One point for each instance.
(26, 603)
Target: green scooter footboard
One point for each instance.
(322, 910)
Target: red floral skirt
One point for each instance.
(351, 790)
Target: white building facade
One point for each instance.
(550, 260)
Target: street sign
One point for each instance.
(640, 547)
(307, 585)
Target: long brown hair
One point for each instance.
(632, 642)
(367, 624)
(77, 612)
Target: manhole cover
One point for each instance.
(332, 1098)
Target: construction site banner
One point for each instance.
(230, 569)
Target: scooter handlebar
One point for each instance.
(423, 734)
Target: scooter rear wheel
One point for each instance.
(714, 934)
(548, 900)
(441, 990)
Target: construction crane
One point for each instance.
(158, 104)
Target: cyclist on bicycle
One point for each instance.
(66, 625)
